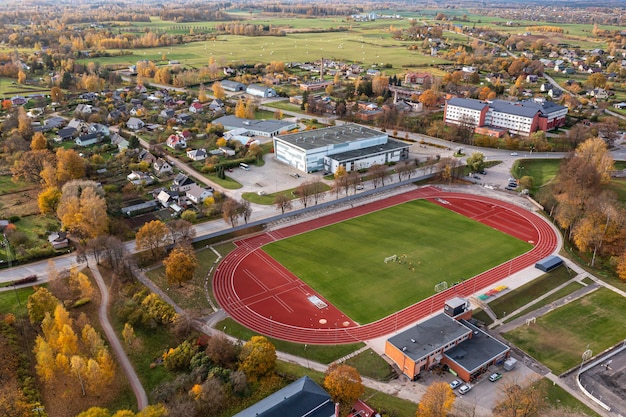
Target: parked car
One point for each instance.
(360, 187)
(476, 177)
(509, 188)
(455, 384)
(465, 389)
(483, 172)
(495, 376)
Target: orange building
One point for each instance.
(446, 339)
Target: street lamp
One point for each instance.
(519, 169)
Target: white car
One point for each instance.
(454, 384)
(465, 389)
(360, 187)
(513, 153)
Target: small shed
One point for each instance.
(550, 263)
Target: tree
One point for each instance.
(304, 192)
(70, 165)
(56, 95)
(40, 302)
(180, 266)
(245, 209)
(218, 90)
(520, 401)
(230, 212)
(437, 401)
(428, 98)
(79, 283)
(282, 203)
(344, 385)
(476, 162)
(222, 351)
(31, 164)
(378, 173)
(48, 200)
(153, 235)
(620, 268)
(128, 333)
(595, 152)
(318, 188)
(597, 80)
(81, 210)
(181, 231)
(240, 109)
(202, 95)
(257, 358)
(38, 142)
(21, 77)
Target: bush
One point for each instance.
(81, 302)
(14, 219)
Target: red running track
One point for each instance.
(261, 294)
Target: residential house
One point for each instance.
(98, 128)
(88, 96)
(181, 183)
(55, 122)
(545, 87)
(183, 118)
(599, 93)
(531, 78)
(197, 194)
(83, 109)
(197, 154)
(66, 133)
(555, 93)
(167, 113)
(18, 100)
(119, 141)
(418, 78)
(58, 240)
(139, 178)
(79, 125)
(216, 105)
(89, 139)
(227, 151)
(176, 142)
(167, 198)
(196, 108)
(162, 167)
(146, 156)
(135, 124)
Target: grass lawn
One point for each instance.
(269, 199)
(523, 295)
(541, 170)
(191, 295)
(318, 353)
(371, 365)
(559, 338)
(285, 105)
(559, 398)
(228, 182)
(618, 186)
(345, 262)
(14, 301)
(563, 292)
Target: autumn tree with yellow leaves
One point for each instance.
(344, 385)
(437, 401)
(180, 266)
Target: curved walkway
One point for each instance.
(116, 345)
(231, 269)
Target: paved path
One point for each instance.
(116, 345)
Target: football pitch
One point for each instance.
(345, 262)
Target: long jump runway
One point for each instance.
(261, 294)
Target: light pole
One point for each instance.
(520, 168)
(271, 326)
(307, 357)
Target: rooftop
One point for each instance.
(467, 103)
(300, 398)
(472, 353)
(424, 338)
(333, 135)
(371, 150)
(231, 122)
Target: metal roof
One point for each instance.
(467, 103)
(333, 135)
(476, 351)
(391, 145)
(429, 336)
(300, 398)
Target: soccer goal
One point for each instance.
(442, 286)
(391, 258)
(531, 320)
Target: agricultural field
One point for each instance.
(373, 47)
(559, 338)
(435, 243)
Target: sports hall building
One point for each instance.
(352, 146)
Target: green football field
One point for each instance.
(344, 262)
